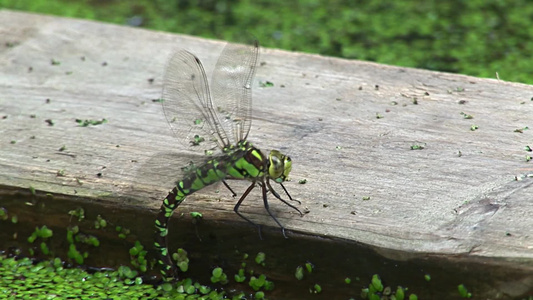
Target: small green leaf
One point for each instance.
(45, 232)
(376, 283)
(259, 295)
(309, 266)
(467, 116)
(196, 215)
(217, 272)
(463, 291)
(347, 280)
(240, 276)
(167, 287)
(197, 140)
(266, 84)
(44, 248)
(260, 258)
(90, 122)
(299, 274)
(400, 294)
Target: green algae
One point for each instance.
(24, 279)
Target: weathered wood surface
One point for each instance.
(321, 111)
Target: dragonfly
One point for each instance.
(218, 129)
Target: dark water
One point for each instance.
(223, 244)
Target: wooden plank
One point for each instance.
(322, 111)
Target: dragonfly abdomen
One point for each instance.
(209, 173)
(244, 162)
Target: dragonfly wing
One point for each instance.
(165, 169)
(231, 87)
(187, 103)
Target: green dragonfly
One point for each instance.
(189, 106)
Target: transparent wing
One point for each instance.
(167, 168)
(231, 87)
(161, 172)
(187, 104)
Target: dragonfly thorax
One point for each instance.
(252, 164)
(278, 166)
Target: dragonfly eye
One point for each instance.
(279, 166)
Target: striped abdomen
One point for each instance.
(245, 162)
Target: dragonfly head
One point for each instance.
(279, 166)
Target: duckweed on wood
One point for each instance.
(347, 280)
(90, 122)
(309, 266)
(78, 212)
(260, 258)
(299, 274)
(317, 289)
(463, 291)
(100, 222)
(3, 214)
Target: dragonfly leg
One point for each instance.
(233, 194)
(289, 195)
(283, 200)
(267, 207)
(236, 208)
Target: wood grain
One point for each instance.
(348, 126)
